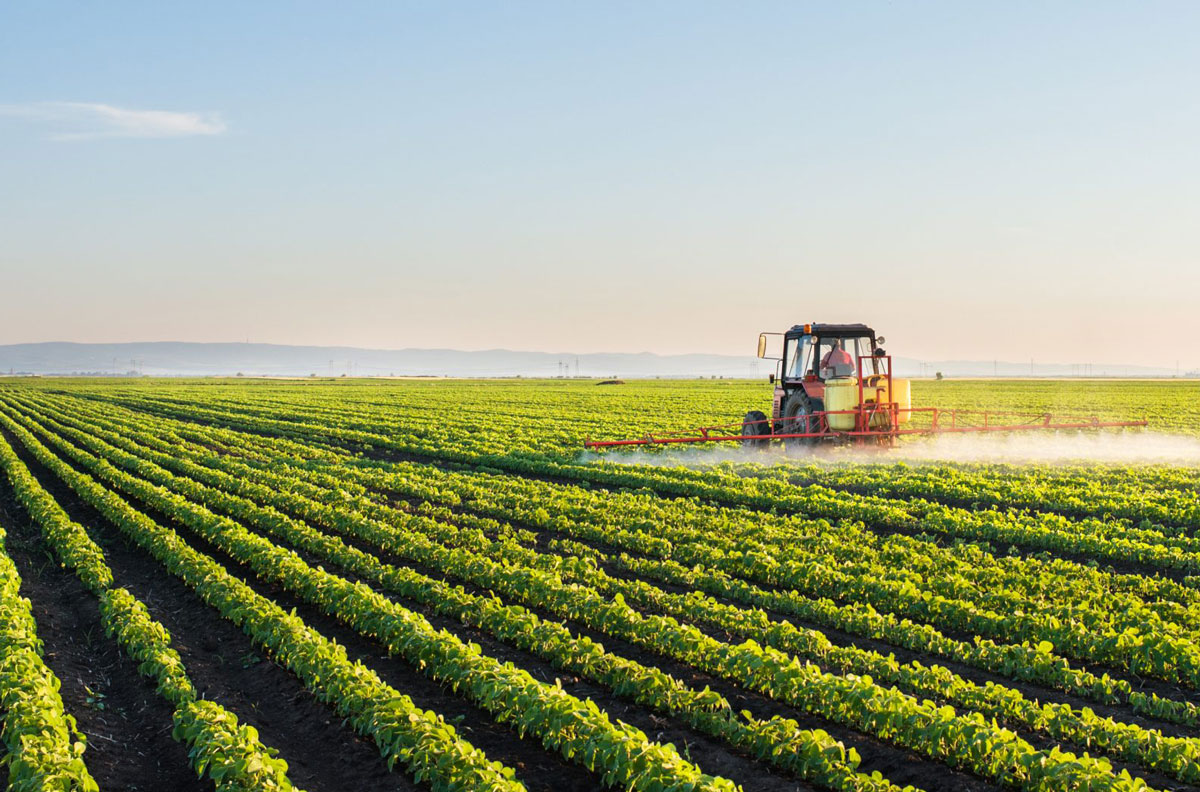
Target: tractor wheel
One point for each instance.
(755, 423)
(796, 410)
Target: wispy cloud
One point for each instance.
(87, 120)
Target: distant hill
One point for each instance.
(169, 358)
(196, 359)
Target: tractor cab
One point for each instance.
(814, 354)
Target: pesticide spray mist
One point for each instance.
(1075, 448)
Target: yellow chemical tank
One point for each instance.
(841, 393)
(901, 394)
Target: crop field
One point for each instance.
(418, 584)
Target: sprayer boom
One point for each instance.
(876, 425)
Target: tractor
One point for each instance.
(817, 356)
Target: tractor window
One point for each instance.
(800, 356)
(839, 356)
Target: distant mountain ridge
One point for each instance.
(171, 358)
(178, 358)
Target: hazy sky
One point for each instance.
(1007, 182)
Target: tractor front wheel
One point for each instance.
(795, 419)
(756, 423)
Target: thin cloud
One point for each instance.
(88, 120)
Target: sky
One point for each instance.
(979, 181)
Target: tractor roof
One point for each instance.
(831, 330)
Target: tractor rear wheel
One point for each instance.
(796, 411)
(755, 423)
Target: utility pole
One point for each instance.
(577, 366)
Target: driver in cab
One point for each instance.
(837, 361)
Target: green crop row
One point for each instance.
(1059, 720)
(45, 747)
(1029, 662)
(814, 755)
(620, 753)
(230, 754)
(1037, 487)
(1026, 662)
(730, 532)
(421, 741)
(1046, 532)
(1023, 662)
(889, 515)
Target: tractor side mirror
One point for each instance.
(771, 378)
(762, 345)
(880, 341)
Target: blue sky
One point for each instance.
(976, 181)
